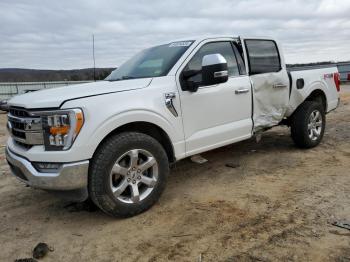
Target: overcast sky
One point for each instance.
(58, 34)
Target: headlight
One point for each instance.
(61, 128)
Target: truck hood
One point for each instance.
(55, 97)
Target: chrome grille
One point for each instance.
(18, 112)
(24, 127)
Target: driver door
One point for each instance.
(219, 114)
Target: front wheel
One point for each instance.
(128, 174)
(308, 124)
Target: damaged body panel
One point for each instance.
(270, 82)
(278, 92)
(270, 97)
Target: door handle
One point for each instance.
(279, 86)
(169, 103)
(241, 91)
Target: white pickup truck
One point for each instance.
(113, 141)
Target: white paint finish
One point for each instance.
(53, 98)
(314, 80)
(215, 114)
(10, 89)
(219, 136)
(212, 117)
(105, 113)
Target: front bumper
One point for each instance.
(69, 177)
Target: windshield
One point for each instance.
(151, 62)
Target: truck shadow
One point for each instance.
(275, 151)
(272, 142)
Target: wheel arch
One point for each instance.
(147, 128)
(315, 93)
(318, 95)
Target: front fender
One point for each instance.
(105, 113)
(132, 116)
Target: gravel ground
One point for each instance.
(275, 203)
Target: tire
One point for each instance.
(122, 163)
(308, 124)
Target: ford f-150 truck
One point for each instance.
(113, 141)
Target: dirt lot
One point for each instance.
(277, 204)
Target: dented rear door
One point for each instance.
(269, 81)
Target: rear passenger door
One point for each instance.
(270, 82)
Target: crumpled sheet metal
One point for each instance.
(270, 105)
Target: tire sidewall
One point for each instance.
(313, 106)
(123, 143)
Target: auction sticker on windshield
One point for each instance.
(177, 44)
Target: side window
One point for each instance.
(223, 48)
(263, 56)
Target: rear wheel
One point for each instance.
(308, 124)
(128, 174)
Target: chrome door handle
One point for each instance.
(241, 91)
(169, 103)
(279, 86)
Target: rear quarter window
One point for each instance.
(263, 56)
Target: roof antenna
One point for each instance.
(93, 55)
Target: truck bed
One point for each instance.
(322, 78)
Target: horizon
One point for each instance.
(86, 68)
(309, 31)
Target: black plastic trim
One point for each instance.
(290, 83)
(300, 83)
(242, 71)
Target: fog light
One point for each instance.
(47, 167)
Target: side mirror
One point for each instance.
(214, 69)
(189, 73)
(189, 85)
